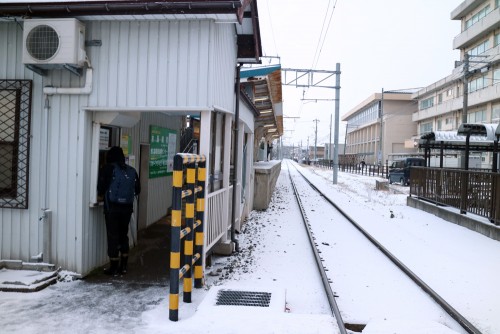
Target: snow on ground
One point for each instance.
(461, 265)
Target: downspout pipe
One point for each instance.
(85, 90)
(235, 157)
(46, 212)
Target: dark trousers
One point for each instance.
(117, 232)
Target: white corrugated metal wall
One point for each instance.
(141, 64)
(53, 172)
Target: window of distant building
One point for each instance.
(478, 16)
(425, 127)
(440, 98)
(480, 48)
(366, 116)
(477, 84)
(427, 103)
(496, 75)
(495, 113)
(496, 39)
(439, 124)
(477, 117)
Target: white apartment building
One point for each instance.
(441, 105)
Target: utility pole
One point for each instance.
(315, 137)
(465, 82)
(307, 149)
(330, 141)
(465, 86)
(380, 150)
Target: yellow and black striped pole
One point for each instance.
(200, 213)
(190, 260)
(188, 243)
(175, 241)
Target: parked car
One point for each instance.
(399, 170)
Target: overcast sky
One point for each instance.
(384, 44)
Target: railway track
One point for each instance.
(355, 247)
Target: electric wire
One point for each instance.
(272, 28)
(321, 34)
(320, 48)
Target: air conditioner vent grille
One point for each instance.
(42, 42)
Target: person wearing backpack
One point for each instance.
(118, 184)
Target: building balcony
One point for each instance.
(478, 31)
(465, 8)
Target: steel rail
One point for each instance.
(324, 278)
(469, 327)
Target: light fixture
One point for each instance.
(261, 99)
(268, 111)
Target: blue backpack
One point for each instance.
(122, 187)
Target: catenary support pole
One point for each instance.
(336, 131)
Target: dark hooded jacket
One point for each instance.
(114, 159)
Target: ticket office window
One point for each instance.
(109, 136)
(104, 137)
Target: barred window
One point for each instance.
(15, 110)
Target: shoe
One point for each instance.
(123, 264)
(113, 268)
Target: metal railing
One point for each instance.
(217, 215)
(469, 191)
(359, 168)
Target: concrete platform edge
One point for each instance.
(486, 229)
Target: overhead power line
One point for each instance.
(322, 36)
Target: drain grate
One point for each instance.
(243, 298)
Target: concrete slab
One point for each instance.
(22, 280)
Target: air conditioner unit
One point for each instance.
(51, 42)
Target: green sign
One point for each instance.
(162, 150)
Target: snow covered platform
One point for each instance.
(18, 276)
(249, 315)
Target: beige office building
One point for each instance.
(379, 127)
(441, 105)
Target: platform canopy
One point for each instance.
(262, 87)
(482, 137)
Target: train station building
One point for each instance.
(153, 79)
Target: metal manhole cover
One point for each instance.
(243, 298)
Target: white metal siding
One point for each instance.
(150, 63)
(223, 66)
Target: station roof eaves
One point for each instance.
(266, 83)
(110, 8)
